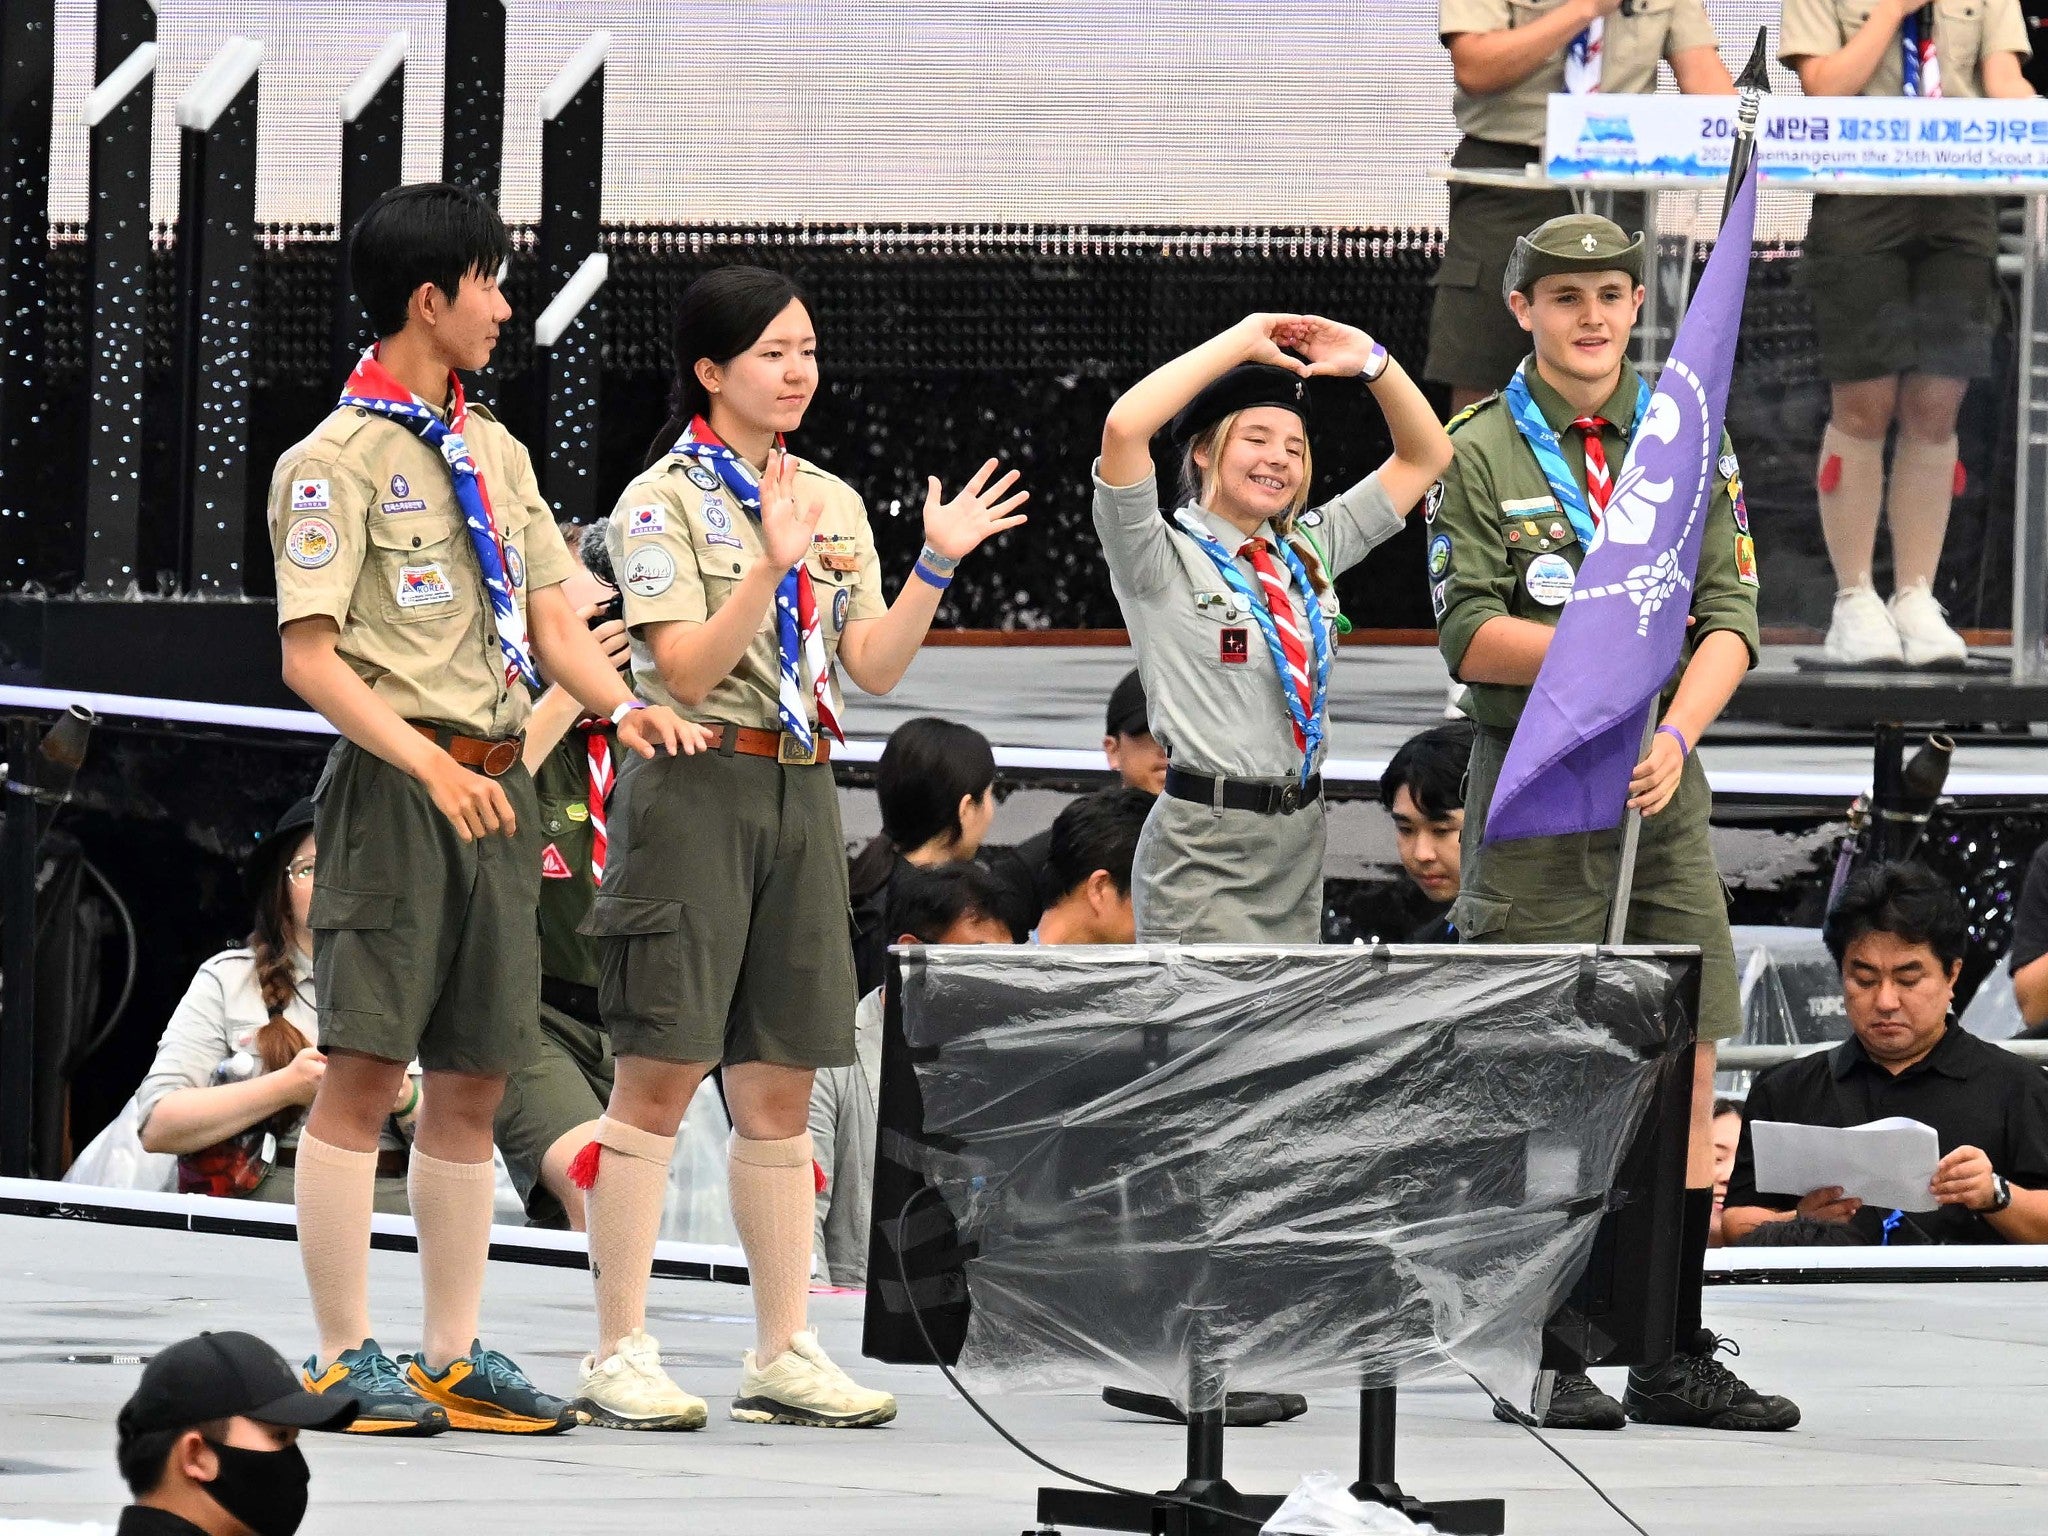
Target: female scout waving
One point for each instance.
(1230, 605)
(722, 915)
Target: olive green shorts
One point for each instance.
(423, 945)
(566, 1084)
(1902, 285)
(1557, 890)
(280, 1186)
(1474, 340)
(723, 920)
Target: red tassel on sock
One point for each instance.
(583, 1167)
(1962, 479)
(818, 1175)
(1831, 472)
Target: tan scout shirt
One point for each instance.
(1630, 48)
(680, 545)
(365, 529)
(1964, 32)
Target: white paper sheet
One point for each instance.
(1886, 1163)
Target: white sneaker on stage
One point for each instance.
(802, 1386)
(1925, 638)
(1861, 633)
(628, 1389)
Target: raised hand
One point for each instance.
(787, 527)
(956, 528)
(1330, 347)
(1263, 337)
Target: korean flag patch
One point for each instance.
(310, 496)
(643, 520)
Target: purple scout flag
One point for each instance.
(1619, 636)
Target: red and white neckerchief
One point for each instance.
(1293, 644)
(598, 746)
(1599, 483)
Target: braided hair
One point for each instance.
(272, 942)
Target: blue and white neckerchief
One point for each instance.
(1917, 54)
(1310, 724)
(798, 635)
(1582, 59)
(373, 388)
(1544, 442)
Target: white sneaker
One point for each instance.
(630, 1390)
(1861, 633)
(803, 1386)
(1924, 635)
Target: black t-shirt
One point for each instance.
(2030, 917)
(139, 1520)
(1973, 1093)
(1436, 930)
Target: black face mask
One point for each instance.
(265, 1490)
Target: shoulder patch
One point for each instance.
(1432, 502)
(1470, 411)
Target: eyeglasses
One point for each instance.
(301, 872)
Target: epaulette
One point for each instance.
(1470, 411)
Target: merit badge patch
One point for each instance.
(715, 514)
(702, 478)
(1439, 554)
(1236, 646)
(1745, 560)
(1740, 503)
(641, 520)
(1550, 580)
(423, 586)
(1730, 466)
(1312, 518)
(310, 496)
(650, 571)
(515, 566)
(577, 810)
(842, 601)
(310, 543)
(553, 866)
(1432, 501)
(1437, 599)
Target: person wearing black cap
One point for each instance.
(238, 1061)
(209, 1441)
(1230, 605)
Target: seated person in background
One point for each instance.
(1898, 934)
(1088, 869)
(1423, 789)
(1727, 1129)
(950, 904)
(238, 1061)
(1140, 763)
(2028, 957)
(936, 785)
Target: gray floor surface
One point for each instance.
(1926, 1411)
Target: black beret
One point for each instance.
(1245, 386)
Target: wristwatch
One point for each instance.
(2001, 1194)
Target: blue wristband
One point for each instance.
(931, 577)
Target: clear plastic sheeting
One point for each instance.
(1182, 1170)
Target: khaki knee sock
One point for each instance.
(1923, 488)
(774, 1196)
(622, 1207)
(335, 1191)
(451, 1206)
(1851, 485)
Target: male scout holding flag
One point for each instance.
(418, 591)
(1536, 487)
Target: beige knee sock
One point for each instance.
(622, 1208)
(1923, 488)
(1851, 485)
(334, 1191)
(774, 1195)
(451, 1206)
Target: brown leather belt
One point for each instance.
(488, 757)
(391, 1161)
(780, 745)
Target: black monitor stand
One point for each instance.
(1205, 1484)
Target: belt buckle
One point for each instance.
(792, 753)
(1290, 799)
(499, 759)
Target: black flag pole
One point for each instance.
(1750, 87)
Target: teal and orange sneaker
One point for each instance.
(486, 1391)
(385, 1403)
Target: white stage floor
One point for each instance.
(1926, 1407)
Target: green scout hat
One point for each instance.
(1578, 242)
